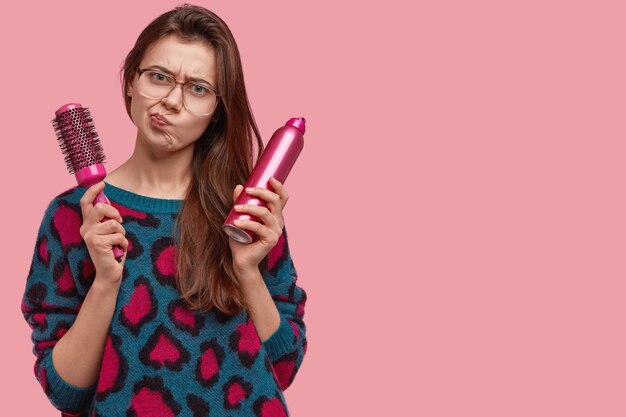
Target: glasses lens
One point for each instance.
(198, 98)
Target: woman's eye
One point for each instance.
(199, 89)
(157, 76)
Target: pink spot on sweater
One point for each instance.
(284, 371)
(166, 261)
(45, 344)
(40, 318)
(110, 367)
(276, 252)
(300, 309)
(148, 403)
(43, 251)
(208, 364)
(185, 316)
(273, 408)
(65, 281)
(295, 328)
(61, 332)
(125, 211)
(249, 340)
(164, 350)
(235, 394)
(139, 305)
(68, 222)
(25, 308)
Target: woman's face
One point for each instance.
(182, 60)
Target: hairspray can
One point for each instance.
(276, 161)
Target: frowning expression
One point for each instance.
(166, 124)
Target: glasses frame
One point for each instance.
(140, 71)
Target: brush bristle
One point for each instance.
(78, 139)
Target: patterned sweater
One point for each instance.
(160, 358)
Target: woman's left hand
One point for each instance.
(247, 256)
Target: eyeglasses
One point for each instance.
(198, 98)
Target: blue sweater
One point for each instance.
(160, 358)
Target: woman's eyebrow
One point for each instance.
(194, 79)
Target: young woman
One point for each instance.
(190, 322)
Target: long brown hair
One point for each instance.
(222, 158)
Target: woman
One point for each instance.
(189, 322)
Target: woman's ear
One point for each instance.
(129, 89)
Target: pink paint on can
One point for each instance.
(276, 161)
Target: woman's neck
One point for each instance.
(159, 176)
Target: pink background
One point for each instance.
(457, 216)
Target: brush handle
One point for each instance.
(118, 252)
(92, 175)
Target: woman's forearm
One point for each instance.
(261, 306)
(77, 356)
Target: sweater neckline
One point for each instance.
(141, 202)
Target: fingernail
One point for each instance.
(238, 206)
(237, 222)
(248, 189)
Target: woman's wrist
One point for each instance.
(249, 275)
(106, 284)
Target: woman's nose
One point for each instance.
(174, 100)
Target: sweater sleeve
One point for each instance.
(287, 346)
(51, 302)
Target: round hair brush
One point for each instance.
(83, 152)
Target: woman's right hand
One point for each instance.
(101, 236)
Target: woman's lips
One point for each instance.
(159, 120)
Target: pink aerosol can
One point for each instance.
(276, 161)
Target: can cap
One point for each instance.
(297, 122)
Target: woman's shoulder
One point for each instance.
(71, 195)
(60, 224)
(68, 199)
